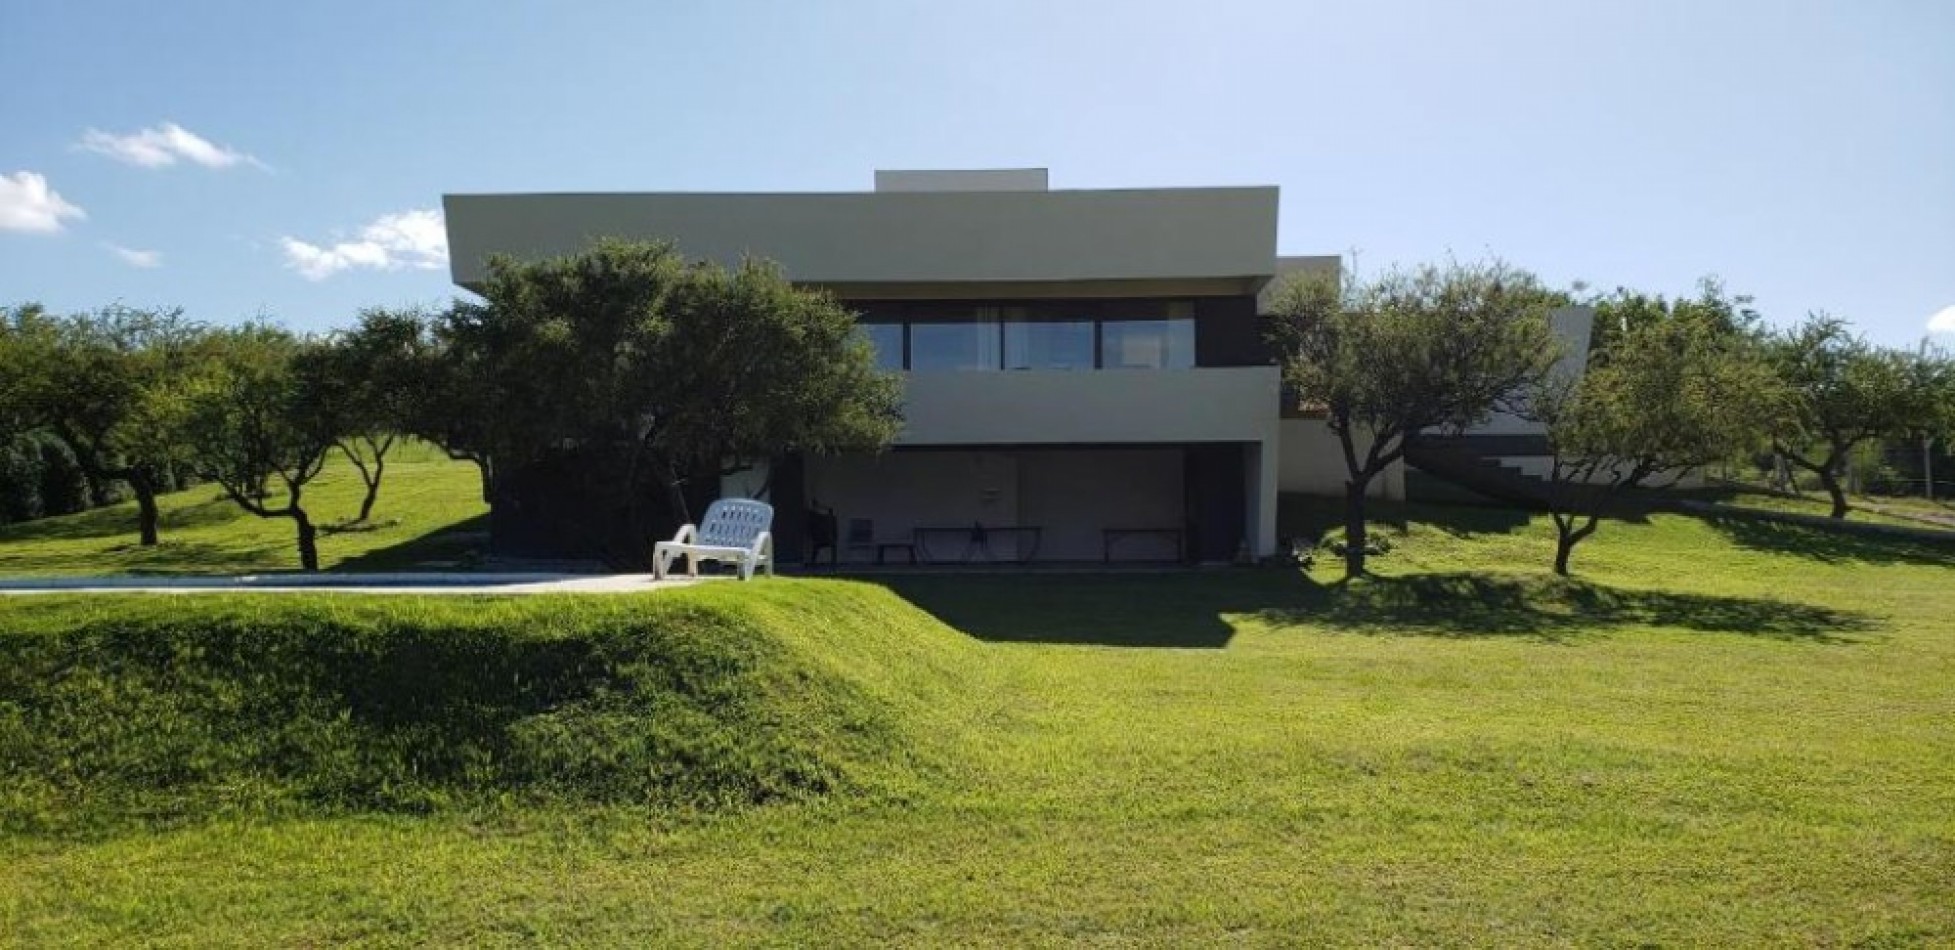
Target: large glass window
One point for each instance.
(936, 347)
(1148, 344)
(1158, 335)
(1062, 345)
(887, 339)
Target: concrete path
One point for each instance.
(451, 584)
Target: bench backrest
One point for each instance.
(735, 522)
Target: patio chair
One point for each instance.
(734, 529)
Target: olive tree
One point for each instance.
(254, 425)
(108, 383)
(27, 334)
(1432, 348)
(1679, 387)
(39, 474)
(1843, 393)
(1932, 374)
(365, 382)
(655, 371)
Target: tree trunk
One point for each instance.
(1564, 546)
(1928, 467)
(146, 514)
(366, 504)
(485, 467)
(308, 540)
(1831, 479)
(1354, 539)
(373, 488)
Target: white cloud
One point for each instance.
(163, 146)
(415, 240)
(134, 258)
(1943, 321)
(28, 204)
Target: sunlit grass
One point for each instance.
(203, 532)
(1716, 735)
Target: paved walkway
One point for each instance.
(451, 584)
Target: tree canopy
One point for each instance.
(1679, 386)
(109, 384)
(258, 427)
(654, 370)
(366, 384)
(1843, 392)
(1432, 348)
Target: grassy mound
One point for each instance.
(167, 708)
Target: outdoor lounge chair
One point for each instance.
(735, 529)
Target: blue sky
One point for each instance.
(282, 158)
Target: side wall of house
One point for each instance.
(1313, 463)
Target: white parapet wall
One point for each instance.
(1031, 407)
(1573, 327)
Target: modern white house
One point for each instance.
(1084, 373)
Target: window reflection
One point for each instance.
(887, 340)
(1063, 345)
(938, 347)
(1147, 344)
(994, 337)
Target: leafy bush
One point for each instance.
(39, 477)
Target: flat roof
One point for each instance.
(895, 237)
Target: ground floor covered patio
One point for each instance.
(996, 505)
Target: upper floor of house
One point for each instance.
(959, 271)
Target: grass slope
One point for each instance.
(156, 710)
(202, 532)
(1721, 734)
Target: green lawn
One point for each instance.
(1862, 506)
(1730, 734)
(203, 532)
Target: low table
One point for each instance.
(1111, 536)
(977, 540)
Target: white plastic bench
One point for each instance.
(735, 529)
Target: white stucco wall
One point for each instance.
(1216, 404)
(899, 236)
(962, 179)
(1572, 328)
(1313, 463)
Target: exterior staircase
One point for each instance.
(1453, 472)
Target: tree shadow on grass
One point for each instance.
(1826, 544)
(453, 546)
(1199, 610)
(1136, 610)
(1312, 518)
(1466, 521)
(171, 557)
(120, 519)
(1556, 609)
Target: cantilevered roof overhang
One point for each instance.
(1220, 237)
